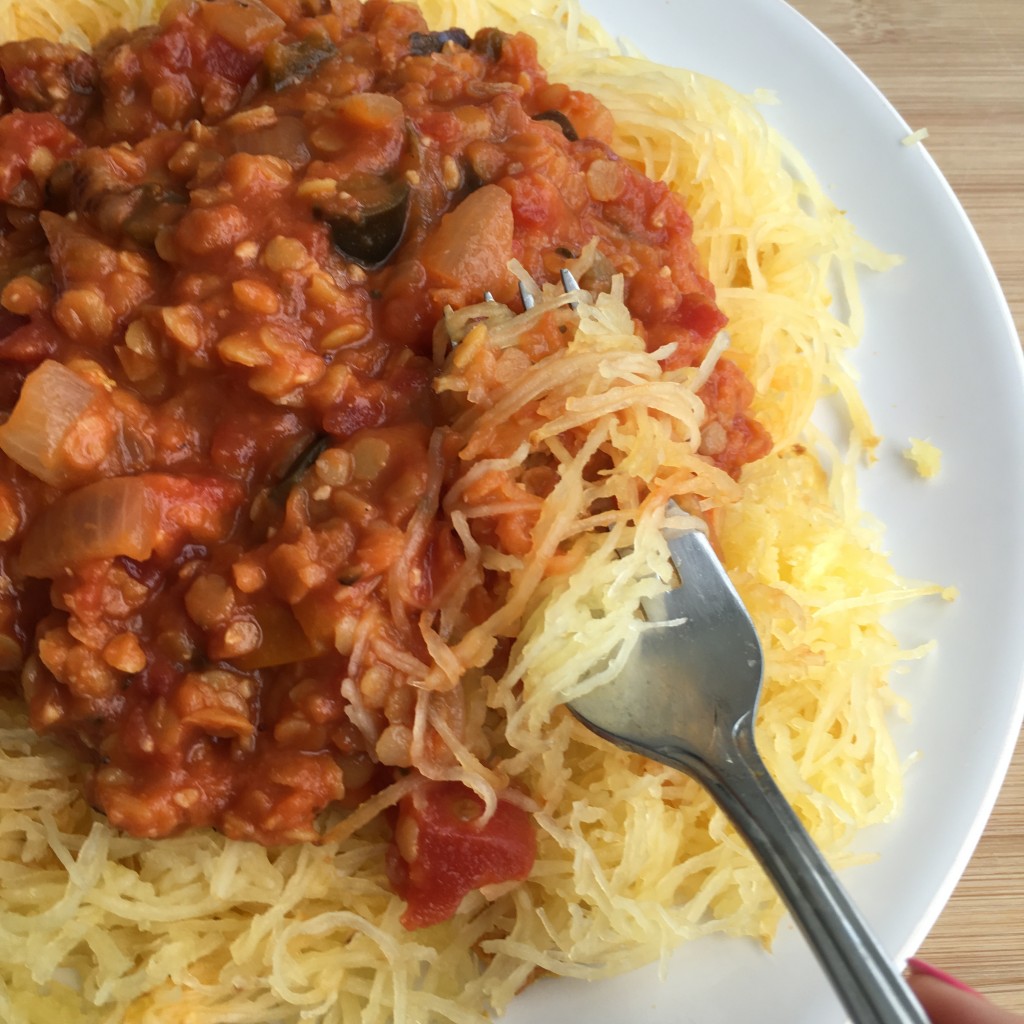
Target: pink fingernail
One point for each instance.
(916, 966)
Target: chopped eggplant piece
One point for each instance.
(59, 184)
(488, 42)
(290, 63)
(557, 117)
(370, 227)
(137, 213)
(303, 463)
(423, 43)
(38, 75)
(153, 208)
(471, 178)
(285, 138)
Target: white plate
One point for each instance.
(940, 360)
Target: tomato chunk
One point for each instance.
(442, 851)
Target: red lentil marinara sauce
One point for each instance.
(225, 242)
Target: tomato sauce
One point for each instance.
(225, 242)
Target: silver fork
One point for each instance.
(569, 283)
(688, 698)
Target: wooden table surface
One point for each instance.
(956, 67)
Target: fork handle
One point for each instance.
(865, 980)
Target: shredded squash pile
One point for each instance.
(80, 22)
(633, 859)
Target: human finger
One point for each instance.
(948, 1001)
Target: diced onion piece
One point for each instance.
(472, 245)
(102, 520)
(245, 24)
(53, 398)
(134, 516)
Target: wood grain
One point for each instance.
(957, 69)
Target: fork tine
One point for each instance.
(570, 284)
